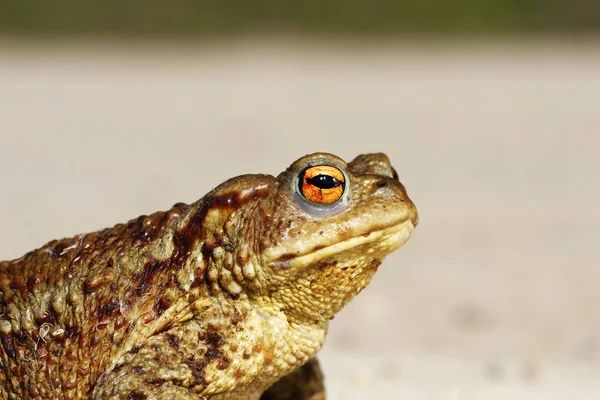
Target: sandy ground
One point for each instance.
(496, 294)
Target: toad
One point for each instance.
(226, 298)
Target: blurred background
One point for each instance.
(489, 111)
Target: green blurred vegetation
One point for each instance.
(325, 17)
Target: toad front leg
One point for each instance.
(154, 376)
(170, 365)
(193, 361)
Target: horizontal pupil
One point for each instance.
(324, 181)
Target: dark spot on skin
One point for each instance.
(137, 395)
(138, 370)
(33, 281)
(21, 336)
(95, 340)
(8, 345)
(19, 284)
(48, 317)
(326, 265)
(168, 326)
(214, 339)
(118, 368)
(155, 381)
(72, 331)
(135, 349)
(286, 257)
(94, 283)
(207, 250)
(140, 235)
(84, 342)
(232, 296)
(110, 309)
(236, 319)
(71, 355)
(197, 369)
(129, 300)
(59, 336)
(223, 363)
(161, 305)
(120, 322)
(59, 248)
(173, 341)
(198, 281)
(212, 353)
(229, 247)
(25, 385)
(146, 278)
(246, 354)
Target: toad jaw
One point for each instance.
(382, 241)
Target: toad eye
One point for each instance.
(322, 184)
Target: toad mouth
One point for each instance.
(389, 237)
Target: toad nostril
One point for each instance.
(381, 184)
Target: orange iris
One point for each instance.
(322, 184)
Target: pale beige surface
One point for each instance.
(495, 296)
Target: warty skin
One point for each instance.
(221, 299)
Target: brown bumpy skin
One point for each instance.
(226, 298)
